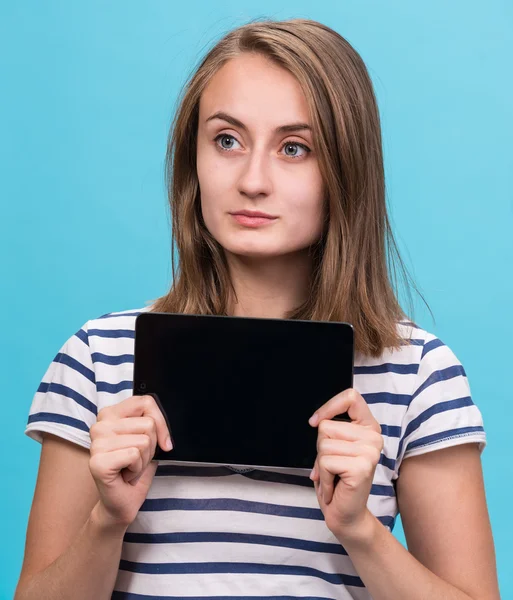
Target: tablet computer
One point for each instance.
(240, 390)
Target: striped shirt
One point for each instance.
(227, 532)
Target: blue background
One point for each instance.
(89, 90)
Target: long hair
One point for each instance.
(356, 259)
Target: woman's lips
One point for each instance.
(248, 221)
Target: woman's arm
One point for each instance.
(71, 551)
(443, 508)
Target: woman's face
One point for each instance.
(248, 161)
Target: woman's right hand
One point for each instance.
(123, 442)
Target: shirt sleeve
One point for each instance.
(441, 412)
(65, 403)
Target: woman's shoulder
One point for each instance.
(117, 318)
(93, 368)
(413, 334)
(424, 346)
(113, 325)
(418, 346)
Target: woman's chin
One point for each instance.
(259, 248)
(254, 253)
(266, 254)
(250, 248)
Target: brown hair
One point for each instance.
(356, 258)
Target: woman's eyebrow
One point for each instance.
(236, 123)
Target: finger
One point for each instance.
(136, 425)
(138, 406)
(109, 425)
(112, 428)
(146, 475)
(359, 449)
(106, 467)
(333, 447)
(350, 432)
(329, 446)
(118, 442)
(352, 402)
(353, 472)
(127, 425)
(326, 481)
(134, 470)
(314, 475)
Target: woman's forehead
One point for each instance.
(253, 89)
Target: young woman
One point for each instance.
(277, 196)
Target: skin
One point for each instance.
(259, 168)
(270, 269)
(84, 501)
(254, 166)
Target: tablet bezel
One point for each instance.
(142, 351)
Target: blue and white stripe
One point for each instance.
(209, 531)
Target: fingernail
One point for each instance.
(313, 419)
(169, 445)
(312, 474)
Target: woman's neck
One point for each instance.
(269, 288)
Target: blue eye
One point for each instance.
(288, 145)
(226, 137)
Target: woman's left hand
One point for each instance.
(349, 451)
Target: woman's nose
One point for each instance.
(255, 177)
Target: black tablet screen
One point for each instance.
(240, 391)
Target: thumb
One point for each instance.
(147, 476)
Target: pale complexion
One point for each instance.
(245, 162)
(253, 165)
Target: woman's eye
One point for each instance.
(292, 149)
(224, 137)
